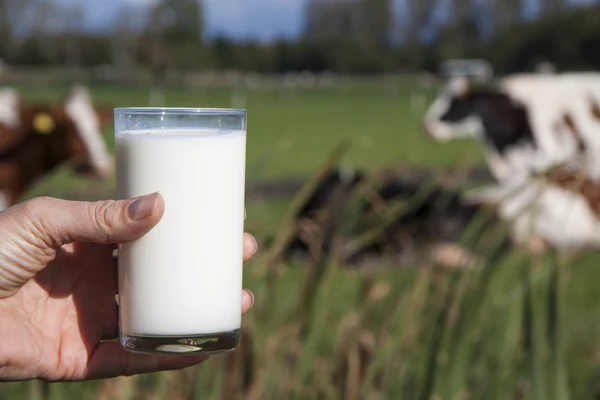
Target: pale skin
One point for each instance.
(58, 281)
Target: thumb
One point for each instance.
(57, 222)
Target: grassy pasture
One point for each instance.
(521, 329)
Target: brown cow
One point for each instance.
(36, 138)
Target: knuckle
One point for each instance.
(32, 215)
(35, 205)
(102, 216)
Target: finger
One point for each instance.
(250, 246)
(37, 228)
(55, 222)
(247, 300)
(111, 360)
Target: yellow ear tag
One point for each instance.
(43, 123)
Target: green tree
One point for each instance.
(552, 6)
(506, 12)
(461, 36)
(415, 20)
(13, 26)
(172, 38)
(354, 34)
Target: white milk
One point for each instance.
(185, 276)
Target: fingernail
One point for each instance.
(252, 295)
(143, 207)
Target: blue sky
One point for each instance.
(238, 19)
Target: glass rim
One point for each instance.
(180, 111)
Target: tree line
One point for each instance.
(346, 36)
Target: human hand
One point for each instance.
(58, 280)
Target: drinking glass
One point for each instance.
(180, 285)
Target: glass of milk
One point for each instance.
(180, 285)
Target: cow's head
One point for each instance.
(69, 130)
(485, 112)
(455, 113)
(78, 128)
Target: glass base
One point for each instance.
(182, 345)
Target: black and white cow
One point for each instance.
(526, 123)
(531, 126)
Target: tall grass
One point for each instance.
(498, 332)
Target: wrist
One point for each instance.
(7, 360)
(4, 358)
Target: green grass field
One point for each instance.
(520, 329)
